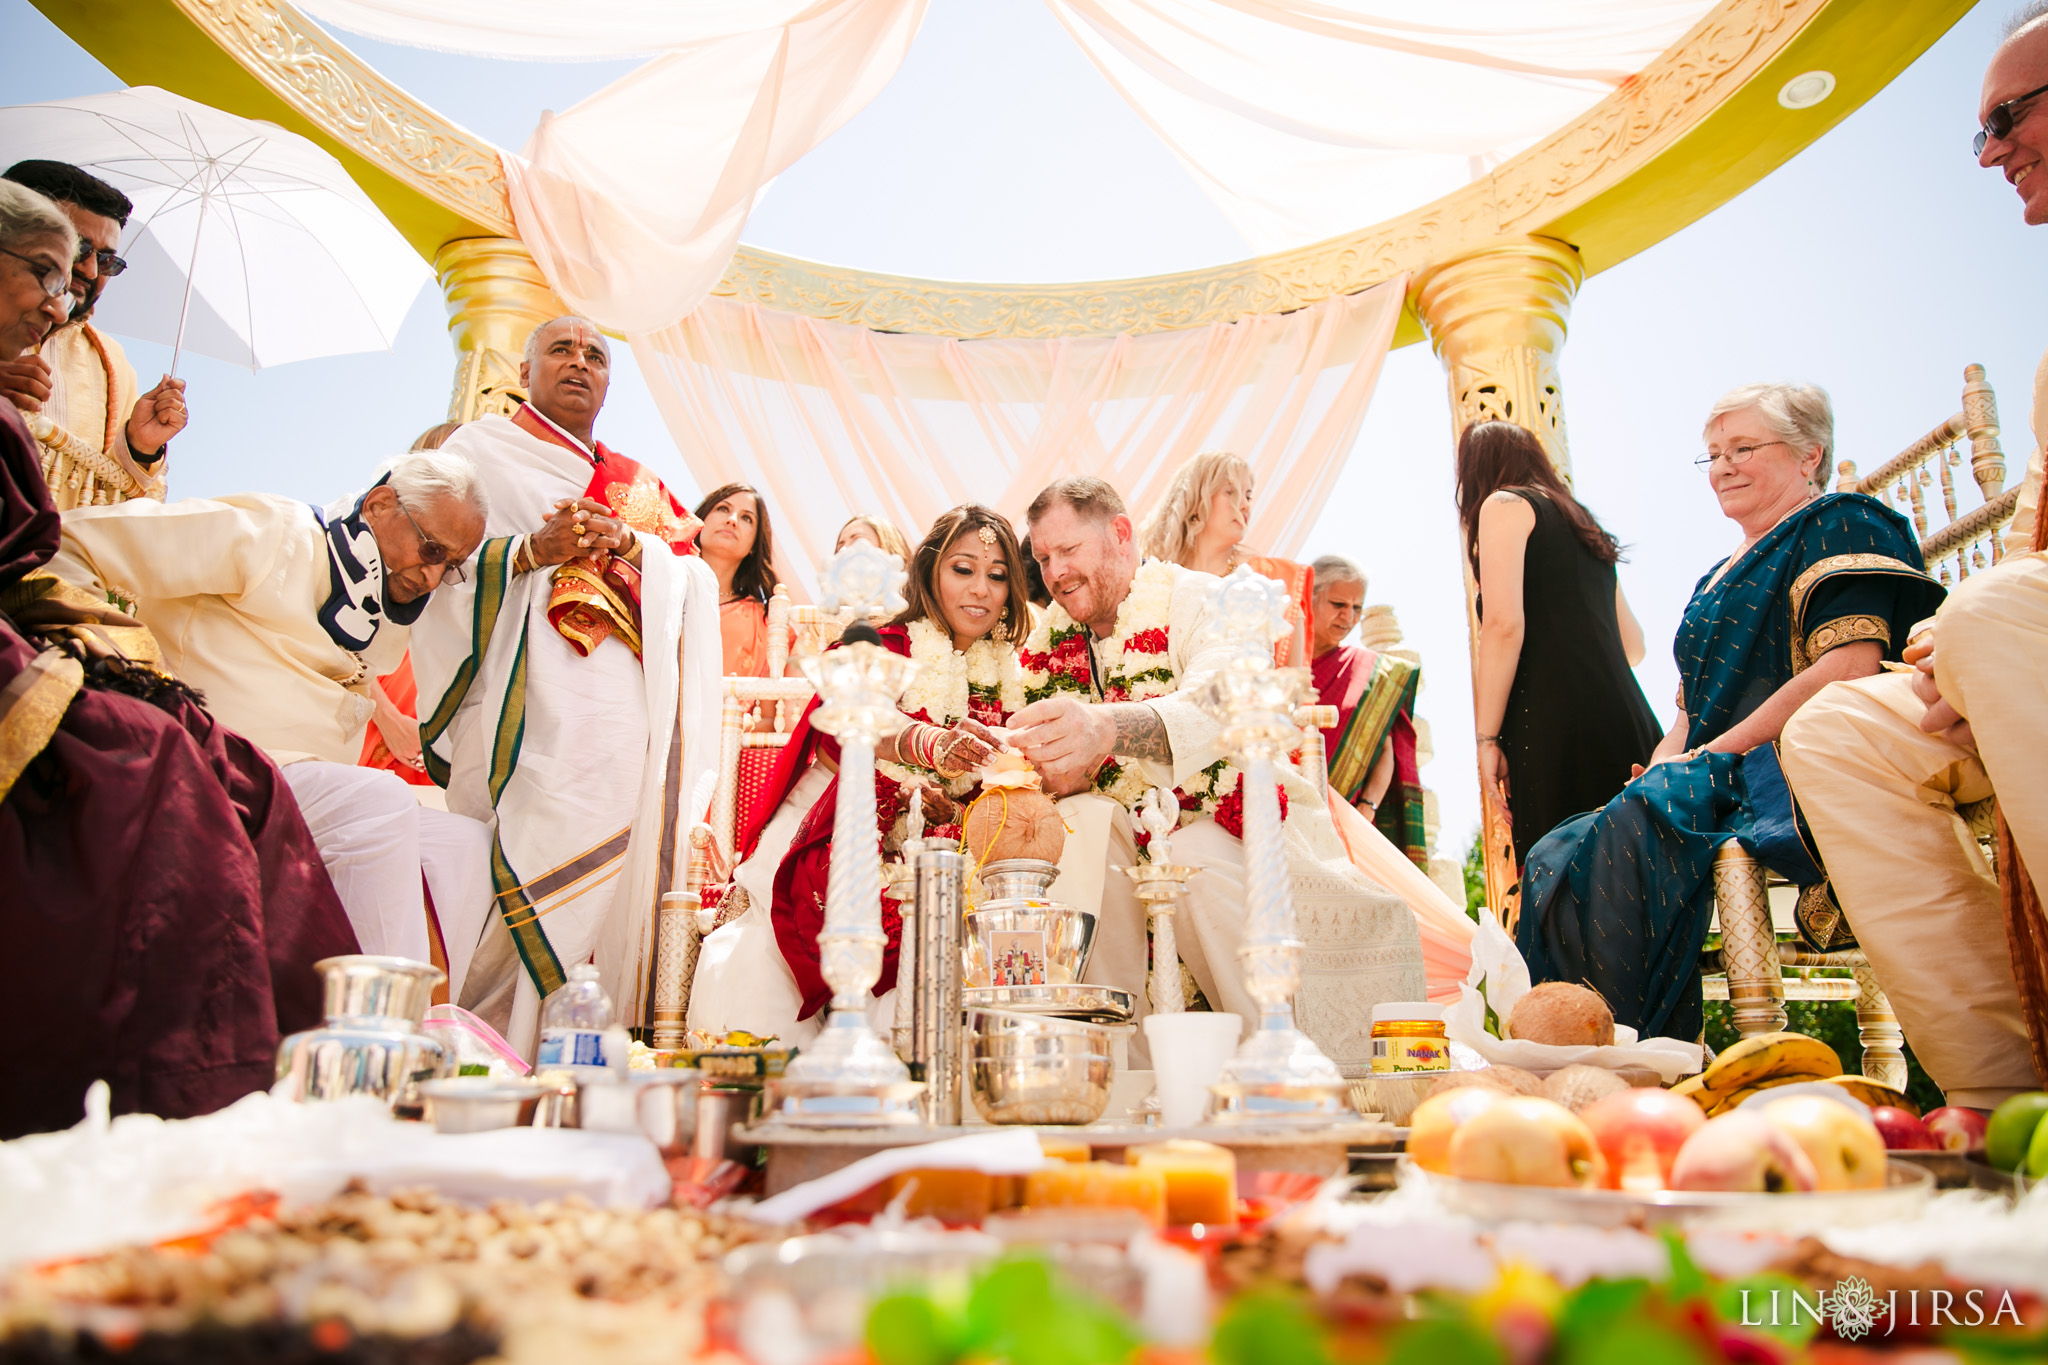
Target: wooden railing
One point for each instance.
(1922, 482)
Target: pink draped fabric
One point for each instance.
(824, 416)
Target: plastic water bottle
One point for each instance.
(575, 1024)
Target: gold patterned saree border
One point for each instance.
(31, 707)
(1804, 652)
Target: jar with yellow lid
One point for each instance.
(1409, 1036)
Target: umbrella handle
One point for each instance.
(191, 269)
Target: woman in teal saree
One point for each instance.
(1823, 587)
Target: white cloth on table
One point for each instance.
(588, 782)
(377, 841)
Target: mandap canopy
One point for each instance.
(1358, 144)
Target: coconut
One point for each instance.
(1013, 817)
(1579, 1085)
(1564, 1015)
(1510, 1080)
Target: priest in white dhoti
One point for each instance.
(101, 439)
(569, 692)
(1109, 674)
(280, 613)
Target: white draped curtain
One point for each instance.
(829, 419)
(1303, 119)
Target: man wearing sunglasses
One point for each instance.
(1881, 764)
(280, 614)
(101, 443)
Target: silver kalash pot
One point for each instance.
(371, 1043)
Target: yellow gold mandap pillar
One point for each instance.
(1496, 319)
(496, 296)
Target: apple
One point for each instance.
(2011, 1128)
(1437, 1118)
(1845, 1148)
(1955, 1130)
(1639, 1133)
(1743, 1151)
(1901, 1131)
(1522, 1140)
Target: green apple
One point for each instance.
(2037, 1153)
(2012, 1128)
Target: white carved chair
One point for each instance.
(1921, 482)
(751, 733)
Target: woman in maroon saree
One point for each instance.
(164, 903)
(961, 625)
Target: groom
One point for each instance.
(1110, 674)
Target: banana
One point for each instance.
(1873, 1094)
(1723, 1104)
(1766, 1055)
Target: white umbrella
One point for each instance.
(248, 243)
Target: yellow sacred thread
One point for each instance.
(1001, 821)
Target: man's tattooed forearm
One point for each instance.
(1140, 733)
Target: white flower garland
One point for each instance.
(946, 685)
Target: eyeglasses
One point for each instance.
(1999, 122)
(109, 264)
(1735, 455)
(433, 551)
(53, 280)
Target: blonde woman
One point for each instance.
(879, 532)
(1201, 524)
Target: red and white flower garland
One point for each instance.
(1135, 667)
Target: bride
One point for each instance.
(758, 970)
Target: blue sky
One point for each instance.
(1877, 263)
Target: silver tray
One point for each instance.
(1906, 1188)
(1098, 1004)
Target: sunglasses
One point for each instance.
(433, 551)
(1999, 122)
(110, 265)
(49, 278)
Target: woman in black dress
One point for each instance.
(1560, 714)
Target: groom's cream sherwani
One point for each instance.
(1363, 947)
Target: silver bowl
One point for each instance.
(1069, 938)
(478, 1104)
(1026, 1068)
(361, 985)
(1096, 1004)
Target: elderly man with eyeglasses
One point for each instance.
(101, 443)
(280, 613)
(1880, 765)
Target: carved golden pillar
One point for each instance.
(1496, 319)
(496, 296)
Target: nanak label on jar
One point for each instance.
(1410, 1054)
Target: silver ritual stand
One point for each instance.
(1278, 1075)
(850, 1077)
